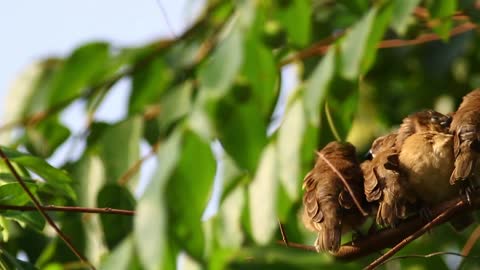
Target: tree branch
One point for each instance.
(38, 206)
(75, 209)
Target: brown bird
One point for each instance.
(466, 130)
(386, 185)
(428, 159)
(329, 208)
(426, 120)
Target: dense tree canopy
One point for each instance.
(359, 67)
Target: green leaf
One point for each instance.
(151, 219)
(33, 219)
(148, 84)
(57, 179)
(227, 222)
(85, 66)
(318, 86)
(120, 149)
(289, 143)
(46, 137)
(262, 197)
(188, 192)
(262, 74)
(115, 227)
(175, 105)
(380, 24)
(442, 11)
(296, 18)
(354, 46)
(220, 69)
(123, 257)
(402, 14)
(13, 193)
(241, 132)
(27, 93)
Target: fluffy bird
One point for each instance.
(329, 208)
(426, 120)
(386, 185)
(428, 160)
(466, 130)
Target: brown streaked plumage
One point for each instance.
(386, 186)
(427, 158)
(329, 209)
(426, 120)
(466, 130)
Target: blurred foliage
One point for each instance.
(221, 82)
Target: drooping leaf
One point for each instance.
(151, 219)
(354, 46)
(120, 148)
(402, 14)
(188, 192)
(296, 18)
(57, 179)
(13, 193)
(219, 70)
(442, 12)
(85, 66)
(317, 87)
(115, 227)
(148, 84)
(262, 197)
(46, 137)
(289, 143)
(123, 257)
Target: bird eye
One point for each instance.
(434, 119)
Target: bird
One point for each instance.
(465, 128)
(425, 120)
(386, 186)
(387, 183)
(328, 207)
(427, 158)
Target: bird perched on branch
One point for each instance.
(466, 130)
(329, 208)
(428, 160)
(386, 185)
(426, 120)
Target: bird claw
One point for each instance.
(426, 214)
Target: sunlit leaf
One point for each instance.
(220, 69)
(354, 46)
(84, 66)
(148, 84)
(151, 219)
(46, 137)
(120, 148)
(317, 87)
(442, 12)
(262, 196)
(123, 257)
(296, 19)
(402, 14)
(56, 178)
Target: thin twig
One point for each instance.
(439, 253)
(474, 236)
(38, 206)
(345, 183)
(389, 43)
(439, 219)
(76, 209)
(282, 231)
(123, 180)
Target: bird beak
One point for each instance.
(369, 155)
